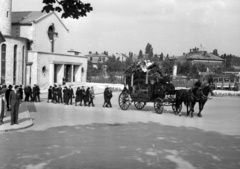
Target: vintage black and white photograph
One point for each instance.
(119, 84)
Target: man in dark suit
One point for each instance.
(59, 93)
(27, 93)
(20, 91)
(37, 93)
(30, 93)
(15, 101)
(82, 95)
(7, 96)
(34, 90)
(71, 93)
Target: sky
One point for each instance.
(170, 26)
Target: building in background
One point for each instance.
(96, 58)
(13, 50)
(35, 50)
(197, 56)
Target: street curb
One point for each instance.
(23, 127)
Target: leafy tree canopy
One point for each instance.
(69, 8)
(140, 56)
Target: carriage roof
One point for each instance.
(145, 67)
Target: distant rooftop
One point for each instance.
(195, 54)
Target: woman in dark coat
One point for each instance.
(86, 98)
(54, 90)
(78, 96)
(50, 94)
(105, 97)
(65, 95)
(109, 97)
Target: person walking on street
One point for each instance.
(59, 93)
(1, 109)
(34, 93)
(37, 93)
(82, 95)
(3, 103)
(86, 98)
(15, 101)
(26, 92)
(3, 93)
(30, 93)
(50, 94)
(65, 95)
(78, 96)
(54, 93)
(21, 92)
(105, 93)
(71, 94)
(109, 97)
(92, 96)
(7, 96)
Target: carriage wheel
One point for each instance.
(175, 110)
(158, 105)
(139, 105)
(123, 101)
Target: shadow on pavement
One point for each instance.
(31, 107)
(133, 145)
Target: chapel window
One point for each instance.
(3, 63)
(23, 65)
(51, 32)
(14, 64)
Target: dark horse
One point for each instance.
(183, 96)
(200, 96)
(191, 96)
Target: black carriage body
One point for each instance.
(147, 85)
(144, 89)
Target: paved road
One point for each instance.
(66, 136)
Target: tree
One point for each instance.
(130, 54)
(91, 71)
(167, 66)
(155, 59)
(150, 55)
(215, 52)
(69, 8)
(148, 48)
(149, 51)
(161, 57)
(184, 68)
(140, 56)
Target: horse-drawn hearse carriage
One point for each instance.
(146, 83)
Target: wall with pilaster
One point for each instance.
(46, 59)
(21, 68)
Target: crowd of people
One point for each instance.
(65, 95)
(10, 100)
(12, 96)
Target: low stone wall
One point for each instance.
(226, 93)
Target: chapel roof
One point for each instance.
(27, 17)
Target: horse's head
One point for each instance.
(208, 89)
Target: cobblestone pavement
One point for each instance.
(67, 136)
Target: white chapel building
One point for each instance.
(42, 57)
